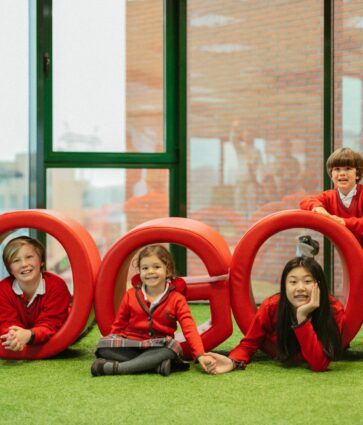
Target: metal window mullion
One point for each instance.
(328, 121)
(175, 71)
(42, 103)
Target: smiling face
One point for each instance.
(26, 266)
(299, 284)
(344, 178)
(153, 273)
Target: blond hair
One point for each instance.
(12, 248)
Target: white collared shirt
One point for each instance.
(158, 298)
(347, 199)
(39, 291)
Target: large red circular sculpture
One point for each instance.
(242, 302)
(202, 240)
(84, 259)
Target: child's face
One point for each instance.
(26, 265)
(153, 273)
(299, 284)
(344, 178)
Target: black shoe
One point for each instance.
(104, 367)
(97, 367)
(164, 368)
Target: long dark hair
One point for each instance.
(322, 318)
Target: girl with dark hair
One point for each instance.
(301, 323)
(142, 335)
(293, 302)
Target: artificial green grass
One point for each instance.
(61, 391)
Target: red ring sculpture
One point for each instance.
(202, 240)
(242, 302)
(85, 260)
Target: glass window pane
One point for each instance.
(348, 74)
(14, 105)
(108, 75)
(108, 202)
(14, 92)
(255, 87)
(348, 90)
(58, 262)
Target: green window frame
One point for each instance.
(175, 109)
(174, 157)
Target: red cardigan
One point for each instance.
(135, 320)
(44, 316)
(263, 330)
(330, 200)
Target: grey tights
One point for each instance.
(133, 360)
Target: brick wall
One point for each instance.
(255, 84)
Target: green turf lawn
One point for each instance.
(62, 391)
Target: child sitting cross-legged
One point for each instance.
(142, 335)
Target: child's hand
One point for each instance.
(338, 219)
(321, 210)
(16, 338)
(11, 342)
(22, 335)
(208, 363)
(223, 363)
(303, 312)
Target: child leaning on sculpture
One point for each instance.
(344, 203)
(34, 304)
(302, 322)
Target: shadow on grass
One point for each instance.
(14, 363)
(352, 355)
(259, 356)
(69, 353)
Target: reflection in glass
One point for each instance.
(108, 76)
(348, 90)
(108, 202)
(14, 109)
(58, 262)
(255, 109)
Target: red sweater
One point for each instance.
(330, 200)
(135, 320)
(263, 330)
(44, 316)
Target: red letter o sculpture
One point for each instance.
(85, 260)
(201, 239)
(243, 305)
